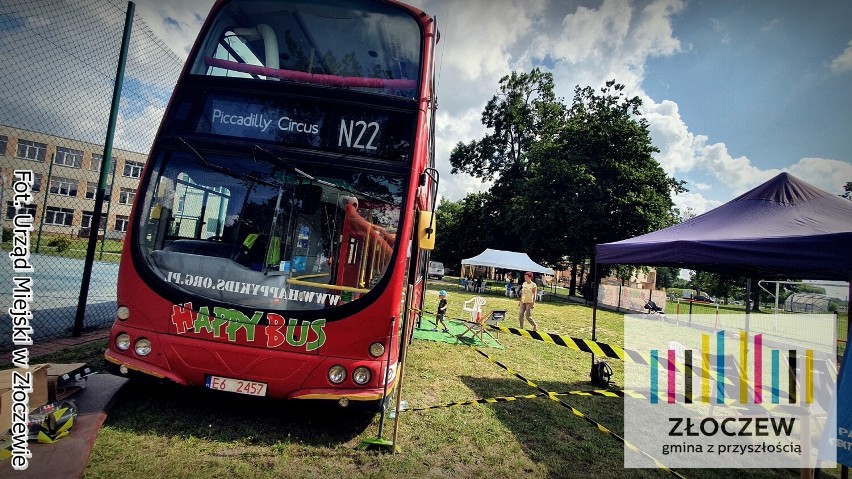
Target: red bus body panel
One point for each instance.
(262, 353)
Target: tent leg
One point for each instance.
(594, 293)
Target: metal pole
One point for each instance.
(594, 292)
(105, 165)
(2, 197)
(44, 202)
(109, 206)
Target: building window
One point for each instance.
(68, 157)
(126, 196)
(97, 160)
(59, 216)
(31, 150)
(121, 223)
(87, 219)
(91, 190)
(132, 169)
(63, 186)
(11, 211)
(4, 142)
(36, 182)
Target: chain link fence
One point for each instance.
(59, 62)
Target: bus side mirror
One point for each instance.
(426, 230)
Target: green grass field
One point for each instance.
(170, 432)
(106, 250)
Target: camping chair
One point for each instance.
(476, 324)
(652, 307)
(494, 319)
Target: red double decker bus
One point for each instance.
(281, 229)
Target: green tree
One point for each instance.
(576, 176)
(847, 188)
(462, 229)
(667, 277)
(596, 182)
(523, 112)
(721, 286)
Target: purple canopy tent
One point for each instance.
(782, 228)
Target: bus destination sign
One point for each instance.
(322, 126)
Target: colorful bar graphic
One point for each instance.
(809, 376)
(672, 376)
(774, 373)
(720, 367)
(654, 364)
(687, 386)
(791, 376)
(705, 368)
(758, 369)
(776, 367)
(743, 367)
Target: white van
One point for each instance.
(436, 270)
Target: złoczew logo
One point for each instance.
(730, 390)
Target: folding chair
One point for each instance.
(494, 318)
(475, 325)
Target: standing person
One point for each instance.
(442, 311)
(526, 303)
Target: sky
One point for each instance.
(735, 92)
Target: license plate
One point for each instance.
(241, 386)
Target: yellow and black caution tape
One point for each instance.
(584, 345)
(597, 392)
(579, 414)
(594, 347)
(615, 352)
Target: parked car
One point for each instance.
(435, 270)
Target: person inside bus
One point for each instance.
(526, 302)
(441, 311)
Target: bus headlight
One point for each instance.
(122, 342)
(377, 349)
(361, 375)
(143, 347)
(122, 313)
(336, 374)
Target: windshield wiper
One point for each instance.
(223, 169)
(290, 167)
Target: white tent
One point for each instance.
(496, 258)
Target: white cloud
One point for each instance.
(843, 63)
(694, 202)
(826, 174)
(451, 130)
(176, 23)
(672, 136)
(769, 25)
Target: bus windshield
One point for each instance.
(360, 45)
(256, 231)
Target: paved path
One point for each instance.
(50, 346)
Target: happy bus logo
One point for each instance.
(731, 367)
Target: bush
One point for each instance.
(60, 242)
(7, 235)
